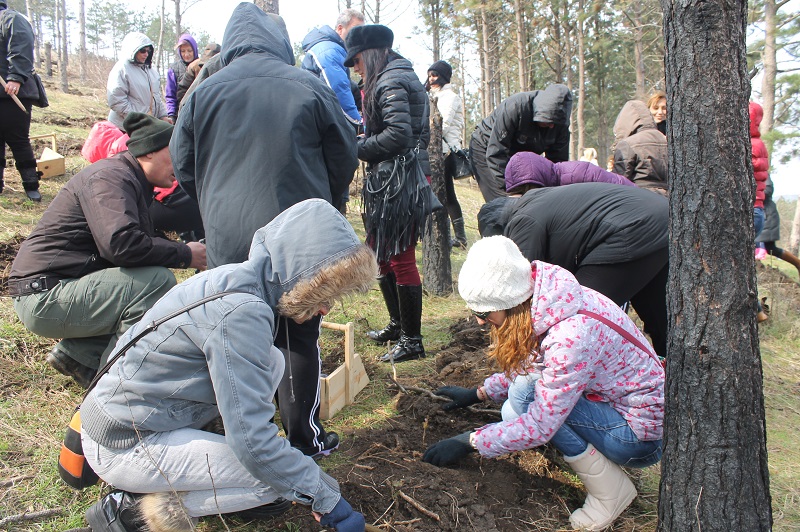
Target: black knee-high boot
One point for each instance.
(410, 345)
(30, 179)
(391, 332)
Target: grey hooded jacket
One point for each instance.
(219, 358)
(258, 136)
(134, 87)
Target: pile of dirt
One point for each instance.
(8, 251)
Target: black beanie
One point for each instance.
(366, 37)
(147, 134)
(444, 70)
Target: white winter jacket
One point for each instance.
(449, 104)
(134, 87)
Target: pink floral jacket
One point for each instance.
(577, 355)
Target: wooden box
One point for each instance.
(51, 163)
(339, 389)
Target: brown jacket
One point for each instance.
(641, 153)
(99, 219)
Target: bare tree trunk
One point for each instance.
(64, 61)
(435, 13)
(436, 269)
(486, 96)
(160, 45)
(579, 30)
(638, 48)
(36, 40)
(770, 71)
(794, 240)
(377, 11)
(269, 6)
(82, 26)
(714, 474)
(522, 60)
(48, 60)
(178, 18)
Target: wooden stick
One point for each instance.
(13, 96)
(407, 389)
(29, 516)
(418, 506)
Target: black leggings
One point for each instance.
(772, 249)
(15, 127)
(453, 207)
(643, 282)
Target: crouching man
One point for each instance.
(93, 266)
(141, 424)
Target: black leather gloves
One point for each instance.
(462, 397)
(449, 451)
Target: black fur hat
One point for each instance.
(444, 70)
(366, 37)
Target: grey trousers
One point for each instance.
(92, 312)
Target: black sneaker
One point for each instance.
(34, 195)
(329, 444)
(65, 364)
(265, 511)
(116, 512)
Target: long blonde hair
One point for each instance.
(514, 341)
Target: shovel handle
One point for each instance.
(13, 96)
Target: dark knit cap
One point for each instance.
(147, 134)
(366, 37)
(444, 70)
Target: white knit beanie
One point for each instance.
(495, 275)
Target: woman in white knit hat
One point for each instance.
(576, 372)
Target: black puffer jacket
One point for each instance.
(404, 108)
(512, 128)
(16, 53)
(580, 224)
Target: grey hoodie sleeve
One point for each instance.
(245, 369)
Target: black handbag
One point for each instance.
(458, 164)
(42, 101)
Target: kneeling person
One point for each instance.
(219, 359)
(93, 265)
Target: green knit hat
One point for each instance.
(147, 134)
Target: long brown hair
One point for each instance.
(373, 61)
(514, 341)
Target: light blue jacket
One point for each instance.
(219, 358)
(325, 54)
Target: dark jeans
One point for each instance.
(643, 282)
(178, 212)
(15, 128)
(453, 207)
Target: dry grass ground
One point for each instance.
(35, 401)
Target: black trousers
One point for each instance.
(490, 187)
(451, 200)
(15, 128)
(298, 391)
(643, 282)
(179, 213)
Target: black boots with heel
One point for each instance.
(391, 332)
(409, 347)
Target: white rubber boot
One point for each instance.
(609, 489)
(164, 512)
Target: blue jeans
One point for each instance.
(758, 220)
(589, 422)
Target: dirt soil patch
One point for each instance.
(387, 481)
(8, 251)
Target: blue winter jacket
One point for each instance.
(219, 358)
(325, 53)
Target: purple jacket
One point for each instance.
(176, 71)
(528, 168)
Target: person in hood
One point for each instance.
(93, 265)
(193, 69)
(760, 157)
(396, 122)
(185, 52)
(536, 121)
(613, 239)
(251, 141)
(576, 373)
(16, 69)
(219, 360)
(134, 85)
(641, 149)
(325, 53)
(527, 170)
(449, 104)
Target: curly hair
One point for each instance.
(514, 341)
(354, 273)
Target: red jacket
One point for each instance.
(760, 155)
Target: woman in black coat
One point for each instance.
(16, 69)
(395, 110)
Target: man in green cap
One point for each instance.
(93, 265)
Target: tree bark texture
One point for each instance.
(436, 269)
(178, 17)
(521, 41)
(714, 474)
(581, 122)
(82, 37)
(270, 6)
(64, 59)
(770, 60)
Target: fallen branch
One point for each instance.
(29, 516)
(418, 506)
(423, 391)
(13, 481)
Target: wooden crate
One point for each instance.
(51, 163)
(339, 389)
